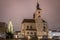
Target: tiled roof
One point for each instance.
(28, 21)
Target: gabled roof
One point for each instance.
(28, 21)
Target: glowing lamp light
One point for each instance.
(54, 34)
(39, 37)
(28, 37)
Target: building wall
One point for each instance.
(37, 13)
(40, 29)
(3, 27)
(25, 31)
(30, 33)
(54, 33)
(40, 24)
(24, 25)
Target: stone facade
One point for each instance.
(36, 26)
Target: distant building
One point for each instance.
(3, 26)
(17, 34)
(36, 26)
(54, 34)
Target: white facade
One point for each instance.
(25, 30)
(52, 34)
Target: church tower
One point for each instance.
(38, 11)
(41, 25)
(36, 26)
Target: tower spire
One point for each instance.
(37, 7)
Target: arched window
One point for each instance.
(44, 28)
(27, 32)
(34, 33)
(30, 27)
(27, 27)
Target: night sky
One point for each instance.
(17, 10)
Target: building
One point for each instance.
(54, 34)
(36, 26)
(3, 26)
(17, 34)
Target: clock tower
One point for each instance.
(41, 25)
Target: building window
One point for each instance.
(39, 12)
(44, 29)
(27, 32)
(34, 33)
(39, 16)
(27, 27)
(44, 24)
(30, 27)
(33, 15)
(31, 32)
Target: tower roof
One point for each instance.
(37, 7)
